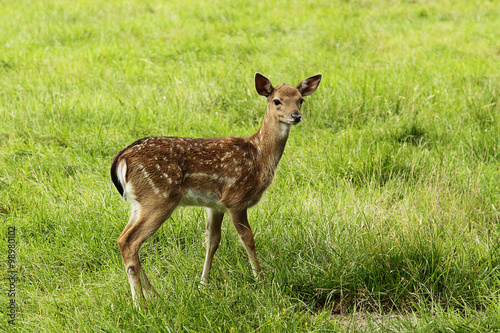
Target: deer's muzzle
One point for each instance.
(296, 117)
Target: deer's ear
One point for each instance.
(309, 85)
(263, 85)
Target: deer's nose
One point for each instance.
(296, 117)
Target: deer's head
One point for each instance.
(284, 101)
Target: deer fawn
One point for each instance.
(157, 174)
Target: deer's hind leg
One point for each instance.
(144, 222)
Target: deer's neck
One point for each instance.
(270, 141)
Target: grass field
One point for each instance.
(384, 213)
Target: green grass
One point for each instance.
(384, 214)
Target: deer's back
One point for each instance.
(218, 172)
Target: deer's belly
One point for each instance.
(195, 197)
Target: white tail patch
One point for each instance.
(121, 173)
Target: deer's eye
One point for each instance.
(301, 101)
(277, 102)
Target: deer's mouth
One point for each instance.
(290, 120)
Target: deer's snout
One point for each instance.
(296, 117)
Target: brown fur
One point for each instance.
(230, 174)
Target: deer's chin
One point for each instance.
(289, 121)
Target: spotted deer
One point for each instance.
(225, 175)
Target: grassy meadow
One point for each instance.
(384, 213)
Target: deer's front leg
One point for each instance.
(213, 235)
(240, 222)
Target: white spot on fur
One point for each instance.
(149, 180)
(220, 179)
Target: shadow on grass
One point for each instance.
(401, 282)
